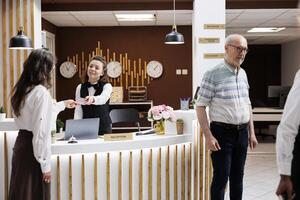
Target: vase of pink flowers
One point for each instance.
(159, 114)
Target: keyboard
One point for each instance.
(146, 132)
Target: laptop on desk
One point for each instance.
(82, 129)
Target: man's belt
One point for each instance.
(230, 126)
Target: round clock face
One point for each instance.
(114, 69)
(68, 69)
(154, 69)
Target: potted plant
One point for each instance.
(59, 125)
(179, 125)
(2, 113)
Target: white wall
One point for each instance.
(206, 12)
(290, 61)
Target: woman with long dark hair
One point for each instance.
(34, 113)
(94, 94)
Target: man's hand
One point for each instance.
(70, 103)
(285, 186)
(212, 143)
(252, 141)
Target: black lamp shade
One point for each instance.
(20, 41)
(174, 37)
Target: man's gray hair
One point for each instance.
(230, 38)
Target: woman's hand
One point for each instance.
(89, 100)
(47, 177)
(70, 103)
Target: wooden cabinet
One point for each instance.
(142, 107)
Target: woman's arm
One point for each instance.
(78, 109)
(104, 96)
(41, 128)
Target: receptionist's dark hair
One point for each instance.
(36, 71)
(104, 77)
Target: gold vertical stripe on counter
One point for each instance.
(18, 25)
(200, 156)
(11, 52)
(207, 164)
(183, 172)
(108, 176)
(141, 175)
(159, 174)
(5, 167)
(168, 174)
(175, 173)
(32, 7)
(150, 175)
(130, 175)
(58, 177)
(95, 177)
(120, 177)
(196, 165)
(70, 177)
(189, 171)
(82, 178)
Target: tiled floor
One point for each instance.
(261, 177)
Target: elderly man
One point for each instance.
(225, 90)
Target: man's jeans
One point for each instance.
(229, 161)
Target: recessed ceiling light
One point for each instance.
(135, 17)
(265, 30)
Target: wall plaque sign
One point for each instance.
(213, 55)
(207, 40)
(214, 26)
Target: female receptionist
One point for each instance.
(93, 95)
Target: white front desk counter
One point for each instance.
(147, 167)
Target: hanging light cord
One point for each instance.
(174, 14)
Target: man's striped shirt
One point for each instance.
(226, 91)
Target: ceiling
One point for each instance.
(267, 13)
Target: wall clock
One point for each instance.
(114, 69)
(67, 69)
(154, 69)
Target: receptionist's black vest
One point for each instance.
(96, 111)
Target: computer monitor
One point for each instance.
(279, 92)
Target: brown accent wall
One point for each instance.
(48, 26)
(146, 43)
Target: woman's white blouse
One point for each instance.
(99, 99)
(38, 115)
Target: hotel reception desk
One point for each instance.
(148, 167)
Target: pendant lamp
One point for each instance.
(20, 41)
(174, 37)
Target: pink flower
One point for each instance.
(161, 112)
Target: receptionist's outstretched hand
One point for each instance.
(70, 103)
(89, 100)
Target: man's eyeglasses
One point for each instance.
(240, 49)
